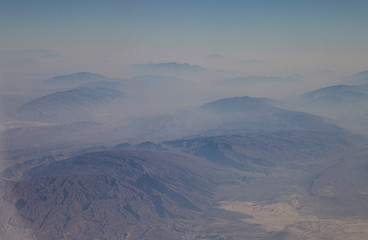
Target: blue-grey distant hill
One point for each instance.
(259, 79)
(150, 80)
(229, 116)
(358, 78)
(239, 104)
(67, 105)
(344, 105)
(167, 67)
(103, 84)
(337, 95)
(258, 113)
(76, 79)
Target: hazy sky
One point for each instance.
(260, 37)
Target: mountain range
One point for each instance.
(183, 189)
(86, 166)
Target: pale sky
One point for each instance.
(261, 37)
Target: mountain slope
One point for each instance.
(255, 79)
(337, 95)
(228, 116)
(67, 105)
(258, 113)
(343, 105)
(262, 150)
(108, 195)
(358, 78)
(257, 185)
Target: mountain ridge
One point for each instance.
(76, 78)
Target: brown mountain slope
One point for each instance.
(107, 195)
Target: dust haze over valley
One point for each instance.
(184, 120)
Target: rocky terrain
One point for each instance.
(261, 185)
(234, 168)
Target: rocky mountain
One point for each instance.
(259, 150)
(108, 195)
(343, 187)
(235, 168)
(220, 187)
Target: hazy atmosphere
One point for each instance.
(316, 39)
(183, 119)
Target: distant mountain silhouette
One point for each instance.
(167, 67)
(343, 105)
(69, 104)
(257, 113)
(150, 81)
(239, 104)
(103, 84)
(358, 78)
(339, 94)
(258, 79)
(75, 79)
